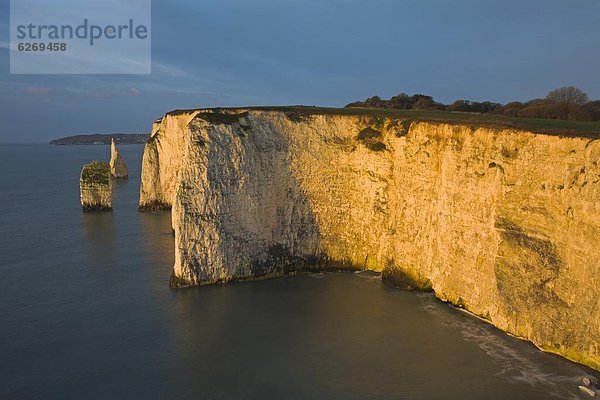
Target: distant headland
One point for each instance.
(120, 138)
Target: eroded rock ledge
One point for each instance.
(502, 222)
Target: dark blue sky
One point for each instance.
(321, 52)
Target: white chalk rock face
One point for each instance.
(118, 167)
(502, 222)
(161, 161)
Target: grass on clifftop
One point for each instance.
(590, 129)
(96, 172)
(217, 118)
(550, 126)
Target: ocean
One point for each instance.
(87, 313)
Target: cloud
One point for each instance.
(165, 68)
(198, 76)
(130, 92)
(37, 91)
(99, 93)
(133, 92)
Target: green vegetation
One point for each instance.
(370, 138)
(589, 129)
(552, 127)
(180, 112)
(120, 138)
(377, 146)
(295, 117)
(368, 133)
(155, 205)
(220, 118)
(404, 127)
(565, 103)
(97, 172)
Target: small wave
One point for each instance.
(514, 364)
(369, 275)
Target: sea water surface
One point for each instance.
(86, 313)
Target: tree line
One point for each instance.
(568, 103)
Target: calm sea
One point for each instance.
(86, 313)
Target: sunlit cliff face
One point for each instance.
(503, 223)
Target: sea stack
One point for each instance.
(118, 168)
(96, 186)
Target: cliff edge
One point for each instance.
(500, 221)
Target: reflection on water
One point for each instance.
(87, 313)
(349, 336)
(156, 236)
(99, 237)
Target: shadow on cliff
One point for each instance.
(249, 169)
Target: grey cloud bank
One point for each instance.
(233, 52)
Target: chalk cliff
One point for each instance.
(161, 161)
(502, 222)
(95, 186)
(118, 167)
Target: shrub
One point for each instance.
(568, 94)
